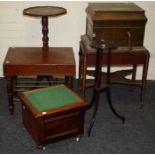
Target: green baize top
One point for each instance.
(52, 97)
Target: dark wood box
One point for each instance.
(55, 123)
(123, 23)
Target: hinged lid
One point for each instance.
(51, 100)
(115, 11)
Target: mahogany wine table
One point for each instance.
(44, 12)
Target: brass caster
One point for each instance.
(41, 147)
(77, 139)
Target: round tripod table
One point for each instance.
(99, 87)
(45, 12)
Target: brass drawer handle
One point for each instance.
(129, 40)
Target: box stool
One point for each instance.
(53, 113)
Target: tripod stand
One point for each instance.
(102, 46)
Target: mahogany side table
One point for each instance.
(34, 61)
(121, 56)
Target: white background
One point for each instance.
(19, 30)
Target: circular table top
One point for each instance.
(44, 11)
(103, 44)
